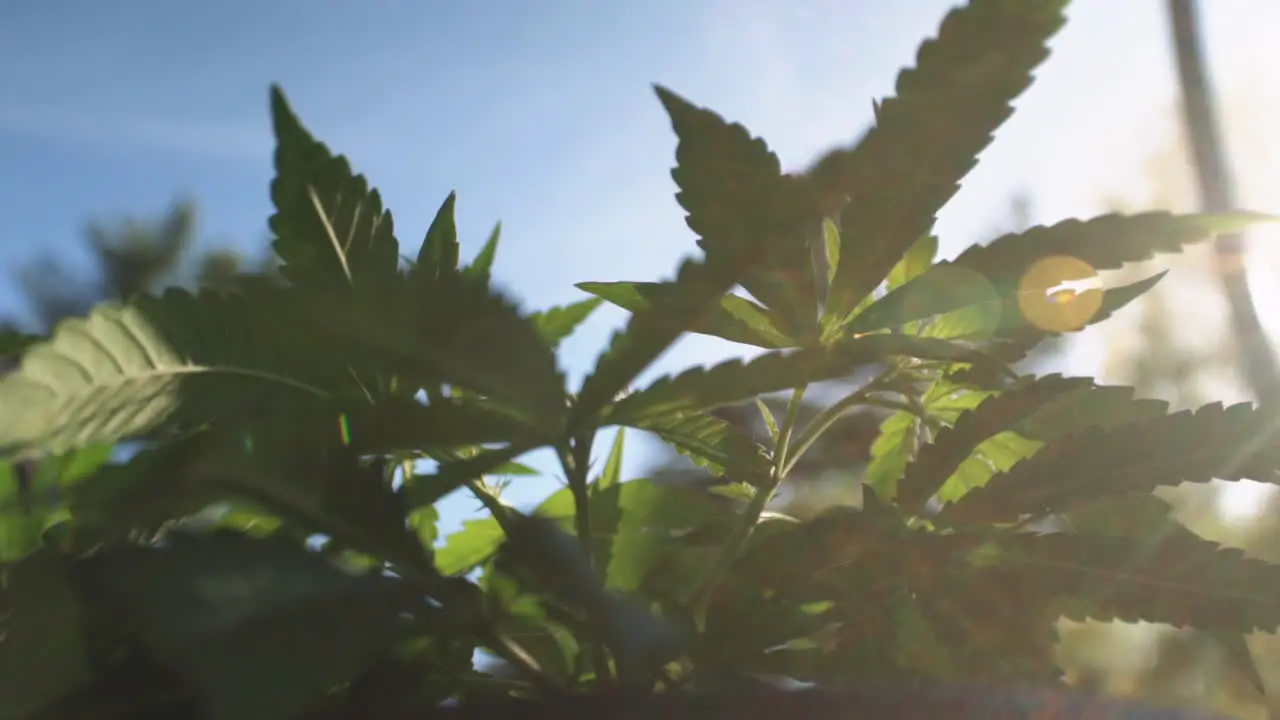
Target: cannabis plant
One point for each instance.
(269, 549)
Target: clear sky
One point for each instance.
(540, 115)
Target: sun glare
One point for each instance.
(1242, 501)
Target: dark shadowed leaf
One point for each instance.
(1106, 242)
(44, 653)
(1227, 443)
(741, 205)
(1183, 580)
(928, 137)
(427, 489)
(702, 389)
(329, 225)
(455, 330)
(401, 424)
(260, 628)
(439, 251)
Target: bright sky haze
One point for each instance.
(541, 115)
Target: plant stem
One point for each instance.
(741, 533)
(575, 459)
(825, 419)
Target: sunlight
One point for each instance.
(1242, 501)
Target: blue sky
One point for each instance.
(539, 115)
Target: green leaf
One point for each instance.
(557, 323)
(655, 521)
(302, 471)
(927, 138)
(917, 259)
(1134, 515)
(427, 489)
(1106, 242)
(425, 524)
(1189, 446)
(1184, 580)
(1023, 266)
(943, 288)
(831, 241)
(966, 304)
(174, 362)
(995, 455)
(400, 424)
(45, 653)
(153, 486)
(736, 320)
(740, 204)
(470, 547)
(702, 389)
(939, 459)
(770, 423)
(439, 250)
(482, 267)
(719, 167)
(551, 562)
(216, 607)
(1017, 343)
(461, 332)
(1036, 411)
(890, 453)
(712, 444)
(475, 338)
(28, 509)
(611, 475)
(329, 225)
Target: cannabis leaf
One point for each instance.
(733, 381)
(927, 138)
(737, 319)
(1226, 443)
(1183, 580)
(439, 250)
(557, 323)
(173, 362)
(742, 206)
(180, 599)
(330, 227)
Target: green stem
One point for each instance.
(828, 417)
(575, 460)
(741, 533)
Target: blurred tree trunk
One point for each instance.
(1257, 360)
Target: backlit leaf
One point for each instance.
(733, 381)
(927, 138)
(739, 203)
(330, 227)
(1228, 443)
(737, 319)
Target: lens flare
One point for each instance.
(1059, 293)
